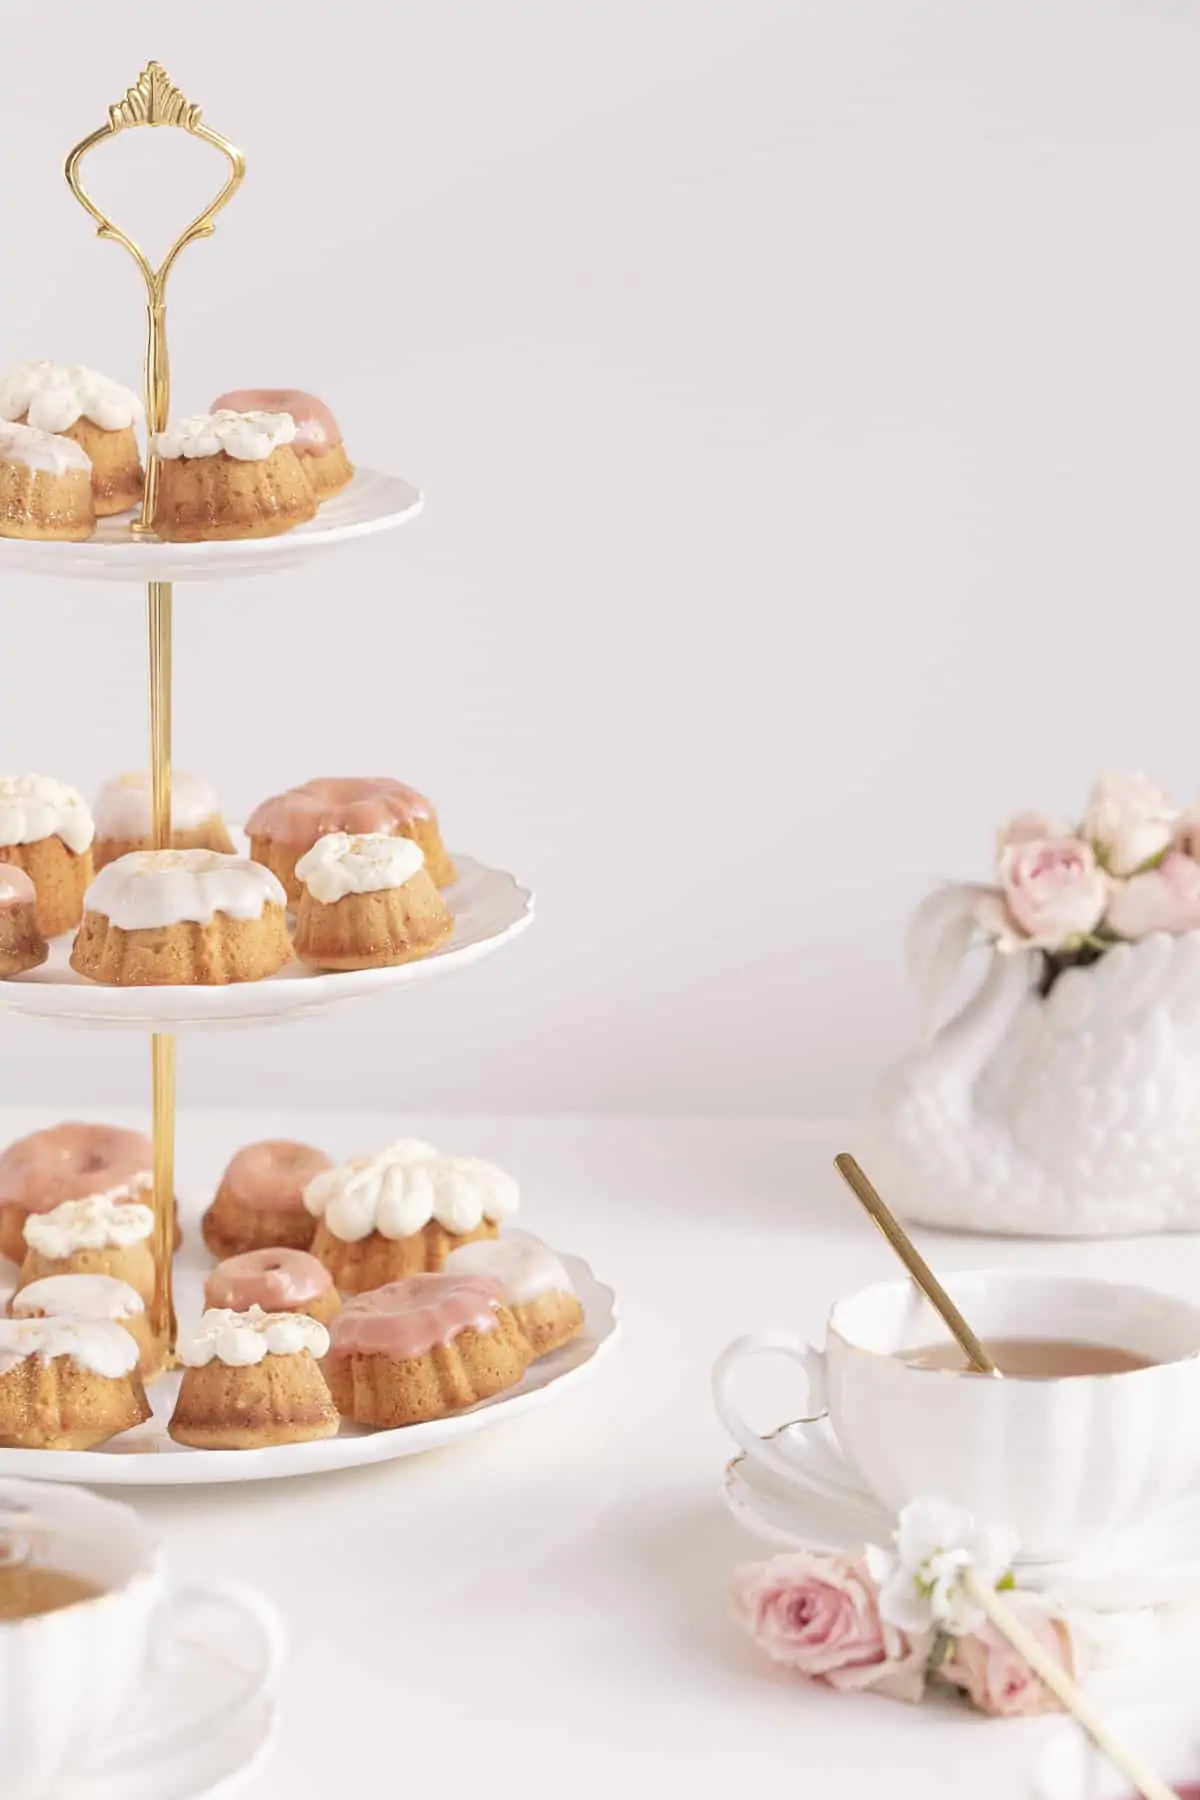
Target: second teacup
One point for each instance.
(1062, 1460)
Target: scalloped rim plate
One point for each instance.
(147, 1457)
(490, 908)
(372, 502)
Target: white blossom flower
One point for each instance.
(920, 1580)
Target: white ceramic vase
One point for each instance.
(1071, 1114)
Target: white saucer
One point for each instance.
(217, 1762)
(825, 1506)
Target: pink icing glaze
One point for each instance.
(276, 1280)
(68, 1162)
(16, 889)
(316, 427)
(272, 1176)
(352, 804)
(409, 1318)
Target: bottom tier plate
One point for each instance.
(147, 1457)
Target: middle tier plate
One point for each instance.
(489, 908)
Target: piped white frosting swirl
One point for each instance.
(77, 1297)
(239, 1339)
(111, 1221)
(53, 396)
(399, 1192)
(520, 1262)
(122, 808)
(338, 864)
(42, 451)
(33, 807)
(100, 1345)
(247, 437)
(151, 888)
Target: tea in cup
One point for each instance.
(85, 1617)
(1095, 1427)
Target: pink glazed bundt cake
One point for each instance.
(259, 1204)
(277, 1281)
(22, 945)
(318, 440)
(283, 828)
(65, 1162)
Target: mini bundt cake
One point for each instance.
(230, 475)
(91, 411)
(536, 1287)
(367, 903)
(422, 1348)
(65, 1162)
(260, 1202)
(182, 917)
(67, 1384)
(402, 1212)
(45, 487)
(106, 1234)
(22, 945)
(277, 1281)
(123, 818)
(283, 828)
(93, 1297)
(46, 829)
(251, 1379)
(318, 440)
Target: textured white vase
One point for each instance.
(1076, 1114)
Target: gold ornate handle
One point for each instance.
(155, 100)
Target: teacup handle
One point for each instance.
(264, 1632)
(768, 1343)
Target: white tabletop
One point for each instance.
(543, 1608)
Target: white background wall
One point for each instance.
(807, 398)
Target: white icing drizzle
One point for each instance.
(33, 807)
(100, 1345)
(238, 1339)
(53, 396)
(42, 451)
(152, 888)
(399, 1191)
(520, 1262)
(77, 1297)
(338, 864)
(247, 437)
(111, 1221)
(122, 808)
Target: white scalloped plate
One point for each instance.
(372, 502)
(147, 1457)
(490, 908)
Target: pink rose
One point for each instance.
(820, 1616)
(995, 1678)
(1163, 899)
(1129, 821)
(1053, 895)
(1028, 826)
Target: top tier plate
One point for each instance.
(372, 502)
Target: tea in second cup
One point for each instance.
(1062, 1457)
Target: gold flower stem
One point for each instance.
(162, 1046)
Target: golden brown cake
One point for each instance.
(251, 1379)
(122, 818)
(367, 903)
(260, 1202)
(46, 829)
(278, 1281)
(182, 918)
(402, 1212)
(65, 1162)
(422, 1348)
(536, 1286)
(93, 1297)
(106, 1234)
(67, 1384)
(318, 439)
(283, 828)
(230, 475)
(22, 945)
(98, 415)
(45, 487)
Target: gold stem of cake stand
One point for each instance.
(162, 1044)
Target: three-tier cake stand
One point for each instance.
(490, 908)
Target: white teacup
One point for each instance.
(67, 1677)
(1063, 1462)
(1167, 1737)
